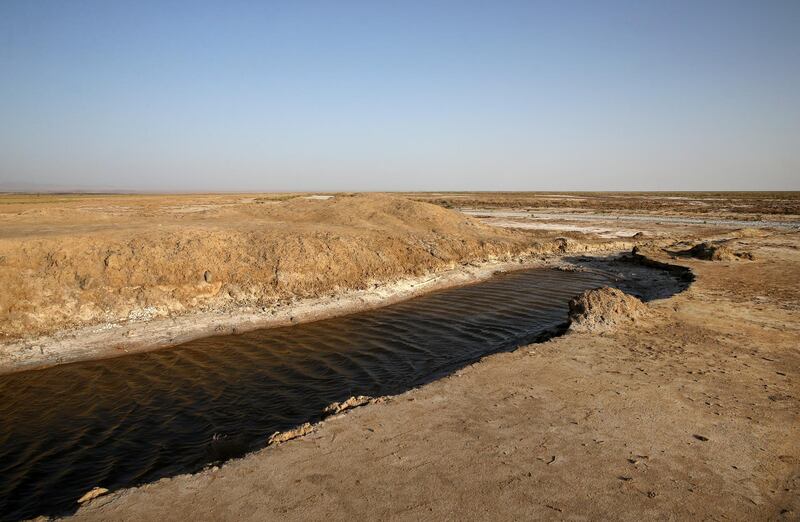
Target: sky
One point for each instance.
(413, 95)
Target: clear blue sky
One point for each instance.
(339, 95)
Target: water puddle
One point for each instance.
(125, 421)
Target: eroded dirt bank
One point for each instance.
(690, 411)
(90, 261)
(101, 276)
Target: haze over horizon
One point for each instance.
(316, 96)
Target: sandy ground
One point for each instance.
(691, 413)
(731, 206)
(587, 222)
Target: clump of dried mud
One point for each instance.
(92, 494)
(283, 436)
(603, 309)
(709, 251)
(333, 409)
(750, 232)
(352, 402)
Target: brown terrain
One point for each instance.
(682, 408)
(97, 276)
(84, 260)
(740, 205)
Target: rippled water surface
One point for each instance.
(128, 420)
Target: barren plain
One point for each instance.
(682, 408)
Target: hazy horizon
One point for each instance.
(359, 96)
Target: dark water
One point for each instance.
(120, 422)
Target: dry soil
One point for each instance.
(690, 410)
(687, 410)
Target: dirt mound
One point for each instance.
(603, 309)
(711, 252)
(716, 252)
(750, 232)
(116, 259)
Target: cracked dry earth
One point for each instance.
(691, 414)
